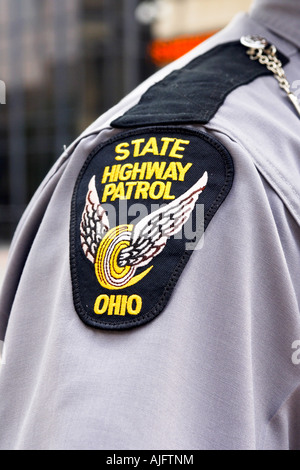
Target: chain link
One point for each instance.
(269, 58)
(259, 49)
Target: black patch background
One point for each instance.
(206, 154)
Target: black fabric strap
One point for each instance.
(194, 93)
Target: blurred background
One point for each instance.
(65, 62)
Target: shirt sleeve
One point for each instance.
(213, 371)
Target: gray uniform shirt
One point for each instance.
(219, 367)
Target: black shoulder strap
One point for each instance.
(194, 93)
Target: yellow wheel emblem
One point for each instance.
(109, 274)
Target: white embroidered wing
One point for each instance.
(150, 235)
(94, 223)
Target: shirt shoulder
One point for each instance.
(195, 92)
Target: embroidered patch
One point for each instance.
(140, 205)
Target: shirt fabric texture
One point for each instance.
(214, 370)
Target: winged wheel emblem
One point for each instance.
(118, 252)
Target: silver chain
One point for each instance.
(259, 49)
